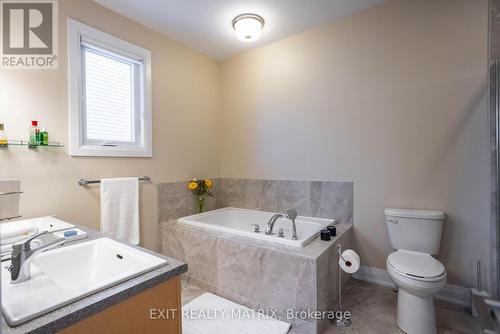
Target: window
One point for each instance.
(110, 102)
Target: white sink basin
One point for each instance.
(66, 274)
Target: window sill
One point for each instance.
(111, 151)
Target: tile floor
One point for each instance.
(373, 310)
(189, 292)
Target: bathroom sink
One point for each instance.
(66, 274)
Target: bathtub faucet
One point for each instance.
(290, 214)
(270, 223)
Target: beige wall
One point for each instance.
(186, 106)
(392, 98)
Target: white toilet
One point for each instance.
(416, 236)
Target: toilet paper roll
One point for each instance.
(350, 262)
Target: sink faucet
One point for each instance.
(23, 254)
(290, 214)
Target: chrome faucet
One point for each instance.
(290, 214)
(271, 222)
(23, 254)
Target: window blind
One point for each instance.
(108, 96)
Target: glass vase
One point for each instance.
(201, 204)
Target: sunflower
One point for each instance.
(192, 185)
(208, 183)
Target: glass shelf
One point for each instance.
(28, 144)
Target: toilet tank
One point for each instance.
(415, 230)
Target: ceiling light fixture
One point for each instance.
(248, 27)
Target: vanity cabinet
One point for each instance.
(155, 310)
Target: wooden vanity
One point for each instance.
(156, 310)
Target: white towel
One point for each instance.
(211, 314)
(120, 208)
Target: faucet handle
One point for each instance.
(256, 228)
(281, 234)
(25, 244)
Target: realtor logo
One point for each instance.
(29, 34)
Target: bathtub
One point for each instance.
(241, 222)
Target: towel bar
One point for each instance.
(84, 182)
(11, 193)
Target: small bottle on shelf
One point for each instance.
(3, 136)
(44, 137)
(34, 133)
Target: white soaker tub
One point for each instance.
(241, 222)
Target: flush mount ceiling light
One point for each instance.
(248, 27)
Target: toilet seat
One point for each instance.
(415, 265)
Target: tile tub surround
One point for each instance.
(321, 199)
(253, 272)
(256, 273)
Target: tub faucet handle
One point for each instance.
(281, 234)
(256, 228)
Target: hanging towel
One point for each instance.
(120, 208)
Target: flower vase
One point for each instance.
(201, 204)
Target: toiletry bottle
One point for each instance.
(37, 134)
(44, 137)
(3, 137)
(34, 133)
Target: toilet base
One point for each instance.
(416, 313)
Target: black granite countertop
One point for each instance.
(72, 313)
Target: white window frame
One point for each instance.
(78, 32)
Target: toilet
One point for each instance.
(416, 236)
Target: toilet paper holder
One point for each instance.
(341, 322)
(339, 251)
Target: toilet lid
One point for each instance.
(415, 264)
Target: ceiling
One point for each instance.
(205, 25)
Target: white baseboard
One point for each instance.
(454, 294)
